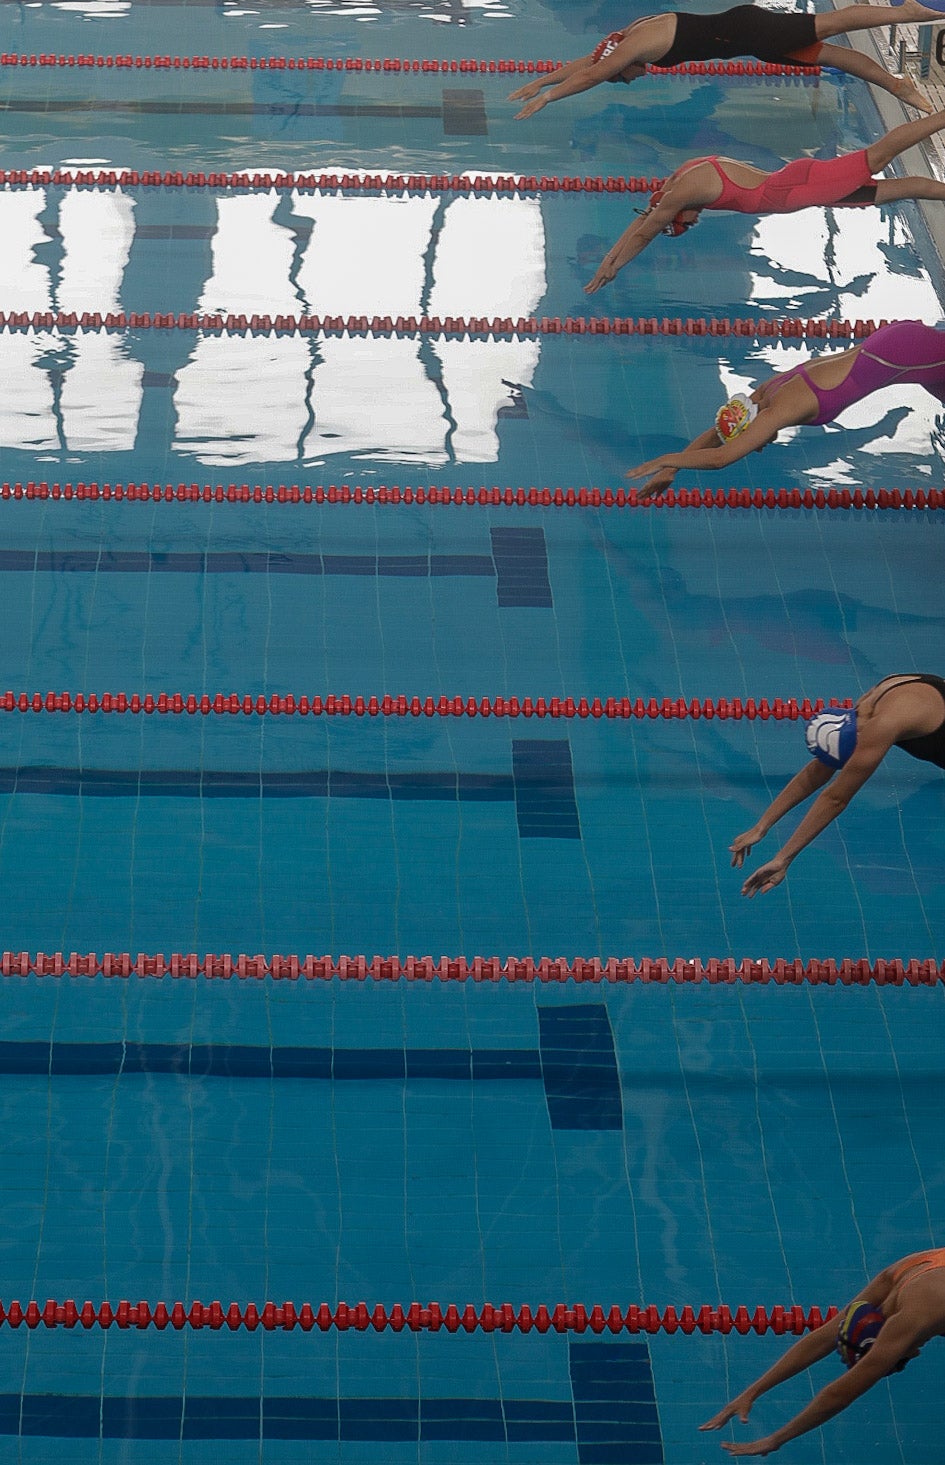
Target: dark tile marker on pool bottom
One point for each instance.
(221, 1417)
(521, 563)
(579, 1066)
(615, 1403)
(243, 1061)
(187, 108)
(464, 113)
(544, 789)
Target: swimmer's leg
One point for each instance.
(882, 152)
(871, 17)
(842, 58)
(890, 189)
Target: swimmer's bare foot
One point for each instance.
(912, 13)
(909, 94)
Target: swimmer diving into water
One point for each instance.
(877, 1334)
(674, 38)
(724, 183)
(811, 394)
(904, 711)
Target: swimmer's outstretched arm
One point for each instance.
(574, 77)
(642, 232)
(895, 1341)
(809, 781)
(663, 477)
(872, 745)
(810, 1348)
(558, 79)
(707, 454)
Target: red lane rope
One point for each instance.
(568, 708)
(916, 972)
(488, 183)
(385, 64)
(394, 495)
(498, 327)
(417, 1317)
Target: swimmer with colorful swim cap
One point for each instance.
(675, 38)
(811, 394)
(847, 745)
(877, 1334)
(724, 184)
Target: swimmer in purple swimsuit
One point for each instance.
(812, 393)
(675, 38)
(723, 183)
(905, 711)
(885, 1326)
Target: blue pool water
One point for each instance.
(254, 1140)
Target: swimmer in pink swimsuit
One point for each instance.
(723, 183)
(675, 38)
(876, 1335)
(811, 394)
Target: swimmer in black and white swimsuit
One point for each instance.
(904, 711)
(676, 37)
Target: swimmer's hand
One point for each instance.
(525, 93)
(767, 1446)
(659, 483)
(605, 273)
(741, 846)
(530, 108)
(765, 878)
(663, 471)
(740, 1406)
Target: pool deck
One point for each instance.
(899, 48)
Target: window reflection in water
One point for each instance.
(455, 12)
(832, 264)
(242, 399)
(412, 400)
(53, 395)
(275, 399)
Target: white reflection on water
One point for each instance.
(96, 231)
(365, 256)
(94, 9)
(242, 399)
(422, 401)
(287, 399)
(456, 12)
(846, 264)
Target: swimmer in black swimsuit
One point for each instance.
(904, 711)
(675, 37)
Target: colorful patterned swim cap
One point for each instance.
(732, 418)
(859, 1329)
(831, 736)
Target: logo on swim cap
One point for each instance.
(680, 224)
(831, 736)
(606, 47)
(858, 1331)
(732, 418)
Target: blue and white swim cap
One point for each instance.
(831, 736)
